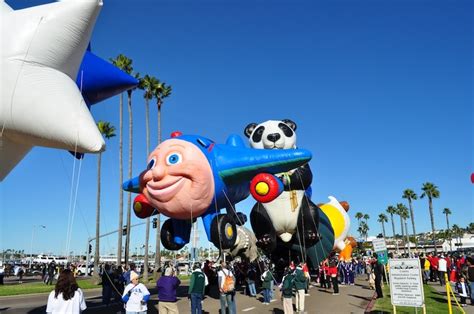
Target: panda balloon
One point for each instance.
(292, 218)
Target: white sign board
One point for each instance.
(406, 286)
(379, 244)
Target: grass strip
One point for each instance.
(40, 287)
(435, 302)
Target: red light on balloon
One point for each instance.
(176, 134)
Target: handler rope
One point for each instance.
(72, 203)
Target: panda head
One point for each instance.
(272, 134)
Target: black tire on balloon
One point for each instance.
(167, 234)
(223, 232)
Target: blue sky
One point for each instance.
(381, 93)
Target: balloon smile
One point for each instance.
(164, 192)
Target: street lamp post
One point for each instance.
(32, 237)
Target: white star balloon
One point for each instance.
(42, 50)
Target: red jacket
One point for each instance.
(332, 270)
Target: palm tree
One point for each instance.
(410, 196)
(359, 216)
(402, 211)
(124, 64)
(363, 229)
(382, 219)
(129, 71)
(447, 212)
(148, 84)
(470, 227)
(457, 232)
(108, 131)
(366, 218)
(392, 210)
(160, 92)
(431, 191)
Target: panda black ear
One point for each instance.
(290, 123)
(249, 129)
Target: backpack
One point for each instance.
(229, 282)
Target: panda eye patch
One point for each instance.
(286, 130)
(257, 135)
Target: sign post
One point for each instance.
(406, 285)
(380, 248)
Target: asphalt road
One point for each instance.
(352, 299)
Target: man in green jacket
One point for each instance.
(287, 286)
(196, 288)
(300, 286)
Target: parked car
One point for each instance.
(183, 268)
(81, 269)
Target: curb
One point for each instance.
(371, 304)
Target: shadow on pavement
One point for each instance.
(360, 297)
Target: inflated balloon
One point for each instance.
(190, 176)
(287, 224)
(340, 221)
(98, 79)
(245, 245)
(40, 62)
(346, 253)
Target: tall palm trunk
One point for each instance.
(412, 217)
(147, 232)
(430, 205)
(120, 224)
(449, 232)
(393, 231)
(407, 237)
(129, 196)
(158, 223)
(97, 221)
(383, 229)
(403, 234)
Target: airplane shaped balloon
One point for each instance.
(190, 176)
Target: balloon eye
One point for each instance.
(173, 159)
(151, 164)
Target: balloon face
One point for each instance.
(178, 181)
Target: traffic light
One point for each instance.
(124, 230)
(90, 248)
(154, 223)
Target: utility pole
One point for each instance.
(89, 240)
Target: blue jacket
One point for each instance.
(166, 287)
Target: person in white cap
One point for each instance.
(135, 295)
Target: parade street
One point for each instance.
(352, 299)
